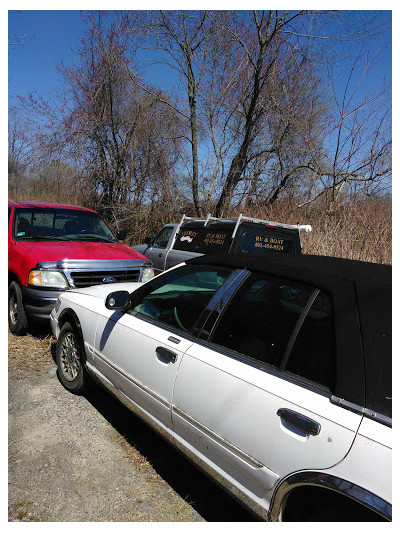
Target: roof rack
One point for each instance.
(241, 218)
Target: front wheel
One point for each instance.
(70, 360)
(17, 320)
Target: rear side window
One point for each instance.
(262, 239)
(280, 324)
(203, 240)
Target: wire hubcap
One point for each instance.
(70, 360)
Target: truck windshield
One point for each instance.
(59, 224)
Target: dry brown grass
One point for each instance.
(28, 354)
(360, 230)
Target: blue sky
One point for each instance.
(50, 35)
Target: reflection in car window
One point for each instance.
(178, 297)
(262, 317)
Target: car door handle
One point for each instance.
(160, 255)
(309, 426)
(166, 355)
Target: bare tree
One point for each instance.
(359, 155)
(19, 152)
(121, 141)
(183, 38)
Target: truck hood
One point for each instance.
(59, 250)
(140, 248)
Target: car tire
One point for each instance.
(71, 361)
(17, 319)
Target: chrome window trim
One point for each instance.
(368, 413)
(328, 481)
(382, 419)
(219, 301)
(275, 371)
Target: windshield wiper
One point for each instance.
(93, 238)
(39, 237)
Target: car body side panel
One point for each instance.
(127, 352)
(369, 463)
(87, 311)
(235, 402)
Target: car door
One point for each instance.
(253, 401)
(139, 351)
(157, 252)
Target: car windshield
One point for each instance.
(60, 224)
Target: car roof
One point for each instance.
(46, 204)
(303, 265)
(371, 285)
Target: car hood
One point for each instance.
(60, 250)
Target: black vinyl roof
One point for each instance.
(367, 287)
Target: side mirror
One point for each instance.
(147, 240)
(118, 301)
(121, 234)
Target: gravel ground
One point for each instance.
(88, 459)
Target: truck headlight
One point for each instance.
(47, 278)
(148, 273)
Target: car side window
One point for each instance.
(177, 298)
(312, 355)
(162, 238)
(280, 324)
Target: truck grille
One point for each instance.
(87, 278)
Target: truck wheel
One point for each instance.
(70, 360)
(17, 320)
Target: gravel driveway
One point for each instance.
(87, 458)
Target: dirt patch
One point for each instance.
(87, 458)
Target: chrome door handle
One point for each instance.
(309, 426)
(166, 355)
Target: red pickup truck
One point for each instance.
(53, 248)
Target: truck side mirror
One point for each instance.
(147, 240)
(118, 301)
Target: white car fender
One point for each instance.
(369, 461)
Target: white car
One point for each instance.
(273, 374)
